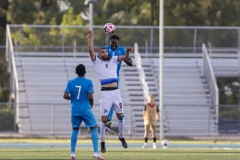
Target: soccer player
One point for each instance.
(80, 92)
(150, 116)
(115, 50)
(106, 67)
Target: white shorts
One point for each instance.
(109, 99)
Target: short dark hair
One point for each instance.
(80, 70)
(114, 37)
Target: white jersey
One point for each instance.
(106, 70)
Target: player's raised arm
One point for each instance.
(129, 61)
(126, 55)
(90, 45)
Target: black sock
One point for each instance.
(146, 139)
(154, 140)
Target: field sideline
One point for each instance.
(58, 149)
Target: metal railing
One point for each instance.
(13, 72)
(55, 119)
(211, 80)
(138, 63)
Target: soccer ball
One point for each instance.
(165, 143)
(109, 28)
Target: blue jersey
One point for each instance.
(79, 89)
(117, 52)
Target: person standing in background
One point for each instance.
(150, 116)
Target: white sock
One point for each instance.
(73, 154)
(102, 131)
(121, 128)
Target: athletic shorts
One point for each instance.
(108, 99)
(89, 120)
(151, 123)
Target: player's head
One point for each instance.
(114, 39)
(151, 97)
(80, 70)
(103, 54)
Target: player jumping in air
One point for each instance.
(110, 95)
(80, 92)
(115, 50)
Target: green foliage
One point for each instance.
(6, 119)
(228, 91)
(229, 113)
(202, 13)
(32, 12)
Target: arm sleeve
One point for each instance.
(95, 59)
(67, 89)
(123, 50)
(157, 109)
(90, 89)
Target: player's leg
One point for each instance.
(105, 103)
(90, 121)
(146, 131)
(102, 133)
(119, 109)
(121, 129)
(109, 122)
(76, 122)
(109, 118)
(153, 131)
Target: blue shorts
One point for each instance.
(88, 119)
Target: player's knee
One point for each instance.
(93, 127)
(104, 119)
(120, 118)
(76, 128)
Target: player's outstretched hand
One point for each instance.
(89, 33)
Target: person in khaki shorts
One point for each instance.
(150, 116)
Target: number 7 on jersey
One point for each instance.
(79, 90)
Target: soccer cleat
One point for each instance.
(73, 156)
(97, 156)
(124, 144)
(108, 124)
(154, 146)
(110, 131)
(103, 147)
(144, 145)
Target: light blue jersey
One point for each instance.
(79, 89)
(119, 51)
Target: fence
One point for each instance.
(177, 39)
(71, 39)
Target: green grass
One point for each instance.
(117, 154)
(14, 152)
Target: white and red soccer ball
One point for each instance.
(109, 28)
(165, 143)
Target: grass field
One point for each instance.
(11, 149)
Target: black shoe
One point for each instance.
(103, 147)
(124, 144)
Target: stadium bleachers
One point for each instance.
(188, 107)
(42, 82)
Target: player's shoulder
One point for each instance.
(121, 47)
(84, 79)
(107, 47)
(88, 80)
